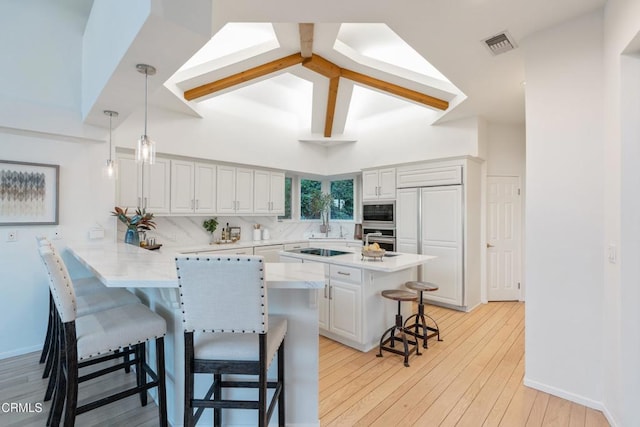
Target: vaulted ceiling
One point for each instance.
(371, 56)
(438, 48)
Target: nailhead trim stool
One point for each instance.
(400, 296)
(420, 317)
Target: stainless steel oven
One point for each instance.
(379, 215)
(387, 239)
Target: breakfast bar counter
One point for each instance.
(291, 287)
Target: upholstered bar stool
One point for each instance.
(91, 296)
(398, 332)
(93, 339)
(228, 332)
(416, 324)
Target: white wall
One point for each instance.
(564, 209)
(506, 150)
(622, 209)
(85, 201)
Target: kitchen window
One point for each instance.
(307, 188)
(342, 193)
(288, 183)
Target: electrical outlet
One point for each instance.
(12, 236)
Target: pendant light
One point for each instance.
(146, 148)
(111, 164)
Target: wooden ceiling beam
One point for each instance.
(322, 66)
(243, 76)
(331, 106)
(306, 40)
(394, 89)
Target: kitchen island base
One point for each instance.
(301, 359)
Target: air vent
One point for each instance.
(500, 43)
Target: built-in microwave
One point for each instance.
(379, 214)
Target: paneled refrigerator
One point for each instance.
(443, 220)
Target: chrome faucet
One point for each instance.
(341, 233)
(366, 237)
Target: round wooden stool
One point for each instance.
(398, 331)
(419, 327)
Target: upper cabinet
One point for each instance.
(268, 192)
(379, 184)
(144, 186)
(180, 186)
(193, 187)
(234, 190)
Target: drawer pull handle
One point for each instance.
(344, 274)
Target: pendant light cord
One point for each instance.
(110, 118)
(146, 89)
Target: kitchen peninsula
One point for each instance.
(291, 292)
(351, 310)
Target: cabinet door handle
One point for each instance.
(344, 274)
(197, 204)
(330, 296)
(139, 201)
(145, 203)
(325, 290)
(191, 203)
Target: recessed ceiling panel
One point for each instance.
(232, 38)
(379, 42)
(285, 92)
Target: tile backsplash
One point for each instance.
(187, 231)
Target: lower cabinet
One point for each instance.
(340, 303)
(271, 253)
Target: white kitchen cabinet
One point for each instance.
(145, 186)
(271, 253)
(235, 251)
(340, 303)
(268, 192)
(193, 187)
(379, 184)
(234, 190)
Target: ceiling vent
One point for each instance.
(500, 43)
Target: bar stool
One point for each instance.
(91, 296)
(94, 338)
(420, 322)
(400, 296)
(224, 301)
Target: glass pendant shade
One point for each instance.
(146, 147)
(146, 150)
(110, 170)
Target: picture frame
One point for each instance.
(29, 193)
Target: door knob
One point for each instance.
(489, 245)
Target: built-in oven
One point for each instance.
(385, 237)
(379, 214)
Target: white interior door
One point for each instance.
(504, 238)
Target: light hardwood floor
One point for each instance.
(472, 378)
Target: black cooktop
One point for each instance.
(319, 252)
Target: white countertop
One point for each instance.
(354, 259)
(253, 243)
(122, 265)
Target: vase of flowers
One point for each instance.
(141, 222)
(210, 225)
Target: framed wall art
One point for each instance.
(28, 193)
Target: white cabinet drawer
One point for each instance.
(300, 245)
(345, 274)
(426, 177)
(237, 251)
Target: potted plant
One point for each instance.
(319, 204)
(210, 225)
(141, 222)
